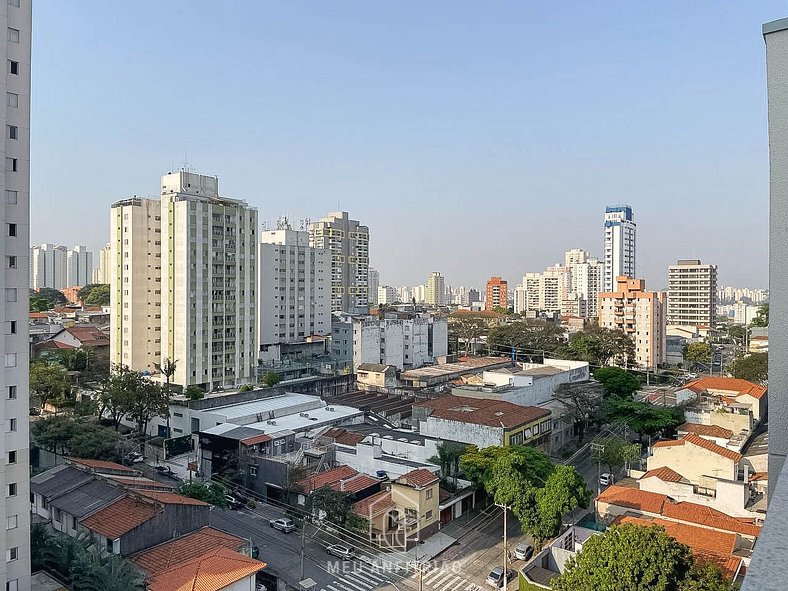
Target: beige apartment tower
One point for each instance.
(348, 242)
(435, 290)
(692, 293)
(15, 464)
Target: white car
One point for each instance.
(496, 577)
(523, 551)
(606, 479)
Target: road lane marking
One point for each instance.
(450, 583)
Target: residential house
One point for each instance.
(482, 422)
(341, 479)
(376, 376)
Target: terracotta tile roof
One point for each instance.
(210, 572)
(418, 478)
(184, 548)
(712, 447)
(665, 474)
(140, 482)
(355, 483)
(314, 481)
(169, 498)
(373, 505)
(480, 411)
(633, 498)
(343, 436)
(254, 440)
(707, 430)
(89, 336)
(734, 385)
(759, 476)
(702, 515)
(668, 443)
(39, 315)
(99, 465)
(444, 495)
(719, 545)
(120, 517)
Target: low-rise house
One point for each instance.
(694, 458)
(483, 422)
(759, 344)
(376, 376)
(404, 514)
(433, 376)
(341, 479)
(735, 395)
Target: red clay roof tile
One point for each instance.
(706, 430)
(418, 478)
(213, 571)
(184, 548)
(120, 517)
(480, 411)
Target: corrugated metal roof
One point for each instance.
(58, 481)
(88, 498)
(264, 405)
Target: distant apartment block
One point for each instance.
(496, 294)
(403, 339)
(101, 274)
(640, 314)
(79, 267)
(692, 295)
(294, 289)
(587, 276)
(373, 282)
(48, 266)
(435, 292)
(543, 292)
(620, 245)
(387, 295)
(348, 242)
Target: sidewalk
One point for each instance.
(431, 547)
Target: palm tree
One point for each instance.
(167, 368)
(93, 572)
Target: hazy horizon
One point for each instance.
(472, 140)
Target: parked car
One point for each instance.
(135, 457)
(496, 577)
(606, 479)
(34, 412)
(523, 551)
(232, 502)
(342, 551)
(283, 524)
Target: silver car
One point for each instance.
(523, 551)
(283, 525)
(342, 551)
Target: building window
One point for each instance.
(11, 457)
(74, 523)
(10, 327)
(11, 392)
(11, 425)
(110, 546)
(13, 67)
(13, 132)
(12, 522)
(429, 493)
(13, 35)
(10, 360)
(12, 99)
(11, 164)
(10, 262)
(10, 294)
(11, 197)
(252, 470)
(12, 554)
(11, 230)
(12, 585)
(56, 515)
(12, 489)
(13, 3)
(428, 516)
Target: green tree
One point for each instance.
(564, 491)
(582, 401)
(39, 540)
(535, 338)
(628, 557)
(448, 457)
(53, 295)
(698, 353)
(194, 392)
(271, 378)
(246, 388)
(211, 493)
(616, 452)
(468, 329)
(599, 346)
(76, 436)
(95, 294)
(478, 465)
(617, 382)
(49, 382)
(762, 318)
(642, 417)
(39, 304)
(129, 393)
(737, 332)
(753, 367)
(707, 577)
(331, 505)
(93, 571)
(167, 368)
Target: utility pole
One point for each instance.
(303, 544)
(505, 548)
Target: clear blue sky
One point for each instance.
(474, 138)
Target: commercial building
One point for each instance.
(620, 245)
(348, 242)
(134, 269)
(496, 294)
(387, 295)
(48, 266)
(101, 274)
(692, 293)
(15, 467)
(406, 340)
(435, 291)
(79, 267)
(294, 288)
(640, 314)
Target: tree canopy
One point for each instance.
(271, 378)
(698, 353)
(478, 465)
(617, 382)
(49, 382)
(753, 367)
(129, 393)
(599, 346)
(762, 318)
(616, 452)
(642, 417)
(533, 337)
(331, 505)
(582, 401)
(208, 493)
(53, 295)
(76, 436)
(95, 294)
(468, 329)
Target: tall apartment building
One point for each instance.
(435, 290)
(48, 266)
(387, 295)
(496, 294)
(373, 282)
(134, 273)
(640, 314)
(620, 243)
(15, 465)
(586, 280)
(405, 340)
(209, 279)
(692, 293)
(294, 288)
(101, 274)
(348, 242)
(575, 257)
(543, 292)
(79, 267)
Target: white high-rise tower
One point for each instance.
(620, 230)
(15, 178)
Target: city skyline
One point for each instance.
(445, 133)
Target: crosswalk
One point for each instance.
(359, 578)
(444, 579)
